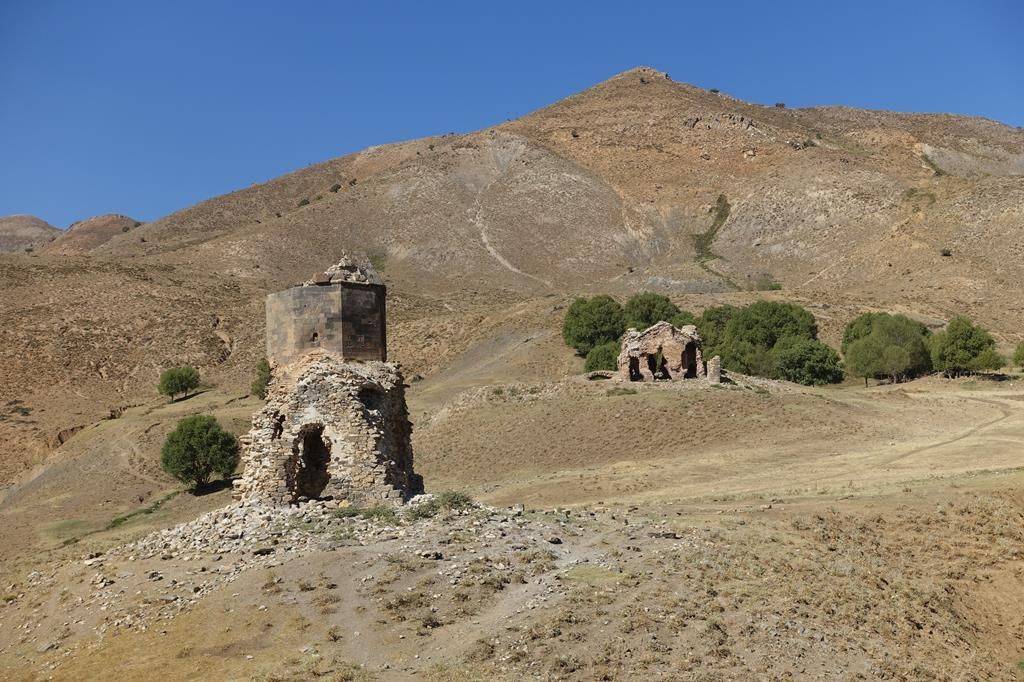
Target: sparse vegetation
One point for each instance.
(303, 202)
(198, 448)
(946, 253)
(765, 282)
(1018, 355)
(963, 347)
(178, 380)
(449, 500)
(591, 322)
(262, 380)
(335, 187)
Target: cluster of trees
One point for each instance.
(780, 340)
(765, 338)
(894, 347)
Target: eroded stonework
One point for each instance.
(331, 429)
(662, 351)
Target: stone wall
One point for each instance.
(662, 351)
(346, 318)
(334, 429)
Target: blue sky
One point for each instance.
(146, 107)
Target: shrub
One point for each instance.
(603, 357)
(591, 322)
(883, 345)
(946, 253)
(1018, 355)
(178, 380)
(448, 500)
(303, 202)
(197, 448)
(645, 309)
(806, 361)
(335, 187)
(963, 347)
(259, 384)
(765, 282)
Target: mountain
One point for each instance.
(19, 233)
(86, 235)
(637, 183)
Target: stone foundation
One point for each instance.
(331, 429)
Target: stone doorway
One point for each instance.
(311, 455)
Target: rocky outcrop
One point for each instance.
(20, 233)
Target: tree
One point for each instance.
(712, 325)
(806, 361)
(178, 380)
(683, 318)
(963, 347)
(863, 358)
(645, 309)
(765, 322)
(197, 448)
(605, 356)
(1018, 355)
(259, 384)
(591, 322)
(858, 328)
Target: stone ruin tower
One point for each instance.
(335, 424)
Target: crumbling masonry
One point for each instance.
(335, 425)
(662, 351)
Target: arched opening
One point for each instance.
(311, 455)
(690, 360)
(634, 370)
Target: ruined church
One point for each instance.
(335, 425)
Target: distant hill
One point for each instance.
(21, 232)
(88, 234)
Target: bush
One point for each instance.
(806, 361)
(645, 309)
(962, 347)
(591, 322)
(262, 380)
(197, 448)
(603, 357)
(303, 202)
(178, 380)
(882, 345)
(1018, 355)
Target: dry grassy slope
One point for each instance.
(602, 191)
(20, 232)
(89, 234)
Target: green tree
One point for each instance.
(259, 384)
(863, 358)
(963, 347)
(765, 322)
(806, 361)
(858, 328)
(196, 449)
(711, 325)
(591, 322)
(645, 309)
(605, 356)
(178, 380)
(1018, 355)
(746, 357)
(683, 318)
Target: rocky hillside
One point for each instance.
(19, 233)
(637, 183)
(86, 235)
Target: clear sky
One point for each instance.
(143, 107)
